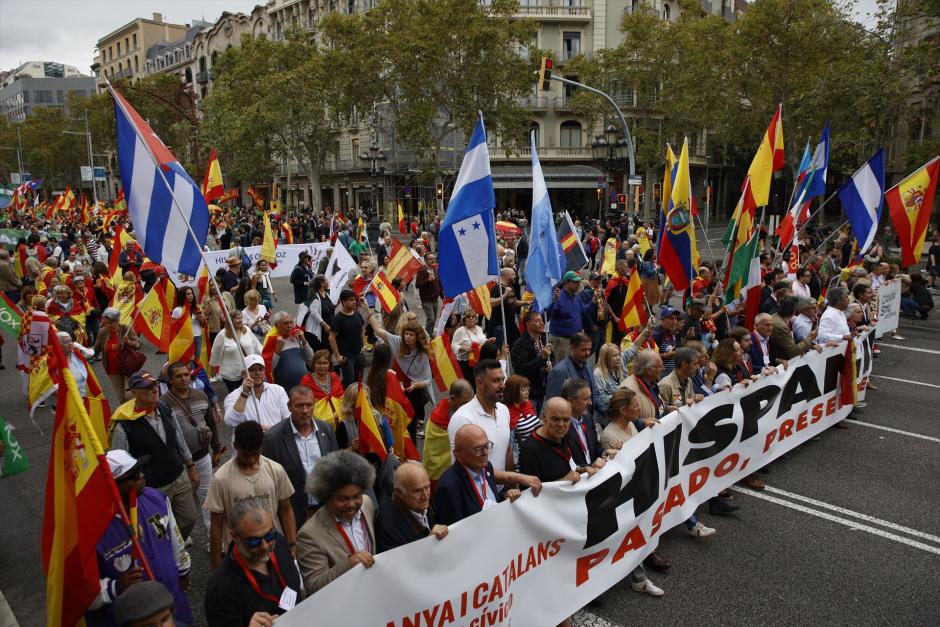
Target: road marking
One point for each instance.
(7, 618)
(930, 385)
(846, 512)
(929, 438)
(909, 348)
(912, 326)
(854, 525)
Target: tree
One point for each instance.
(432, 65)
(273, 100)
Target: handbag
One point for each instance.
(130, 360)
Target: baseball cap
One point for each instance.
(667, 311)
(253, 360)
(121, 462)
(141, 381)
(570, 276)
(140, 601)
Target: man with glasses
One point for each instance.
(160, 539)
(469, 485)
(257, 580)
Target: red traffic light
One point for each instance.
(622, 198)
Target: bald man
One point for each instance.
(408, 517)
(469, 485)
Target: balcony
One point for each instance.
(549, 13)
(536, 103)
(203, 77)
(545, 153)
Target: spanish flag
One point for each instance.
(120, 203)
(911, 202)
(473, 355)
(402, 263)
(479, 300)
(212, 187)
(328, 406)
(287, 233)
(80, 503)
(400, 413)
(256, 197)
(848, 388)
(444, 366)
(121, 238)
(402, 228)
(388, 295)
(182, 344)
(370, 436)
(634, 313)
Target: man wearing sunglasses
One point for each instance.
(257, 580)
(119, 567)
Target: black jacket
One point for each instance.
(395, 526)
(300, 278)
(456, 498)
(574, 443)
(279, 445)
(528, 362)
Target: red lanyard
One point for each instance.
(349, 545)
(583, 443)
(563, 453)
(657, 402)
(253, 582)
(481, 498)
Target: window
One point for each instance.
(189, 75)
(119, 48)
(136, 64)
(570, 134)
(127, 46)
(202, 64)
(135, 41)
(120, 68)
(60, 96)
(110, 53)
(215, 57)
(25, 96)
(78, 93)
(533, 127)
(571, 45)
(667, 12)
(43, 96)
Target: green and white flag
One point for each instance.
(11, 318)
(14, 459)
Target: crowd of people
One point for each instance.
(543, 396)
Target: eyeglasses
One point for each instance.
(253, 542)
(480, 450)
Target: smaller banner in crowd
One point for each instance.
(14, 459)
(889, 308)
(540, 559)
(287, 257)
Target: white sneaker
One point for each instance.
(701, 531)
(897, 337)
(189, 542)
(648, 587)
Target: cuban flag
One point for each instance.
(862, 197)
(162, 200)
(544, 264)
(467, 239)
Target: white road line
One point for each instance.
(929, 438)
(7, 619)
(930, 385)
(909, 348)
(911, 326)
(842, 521)
(854, 514)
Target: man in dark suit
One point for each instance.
(408, 516)
(760, 352)
(297, 444)
(469, 485)
(581, 437)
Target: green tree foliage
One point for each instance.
(272, 100)
(432, 65)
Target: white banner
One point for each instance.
(287, 257)
(539, 560)
(339, 270)
(889, 308)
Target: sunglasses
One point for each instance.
(253, 542)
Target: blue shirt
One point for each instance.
(565, 314)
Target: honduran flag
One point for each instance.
(862, 197)
(167, 209)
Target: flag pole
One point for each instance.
(192, 234)
(823, 243)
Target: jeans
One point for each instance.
(432, 310)
(351, 368)
(180, 494)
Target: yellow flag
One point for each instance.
(40, 383)
(268, 247)
(643, 240)
(610, 257)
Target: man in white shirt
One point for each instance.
(833, 327)
(487, 412)
(269, 405)
(878, 276)
(803, 323)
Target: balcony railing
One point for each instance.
(545, 152)
(203, 77)
(549, 12)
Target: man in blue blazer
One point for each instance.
(469, 485)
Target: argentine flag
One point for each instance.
(543, 266)
(467, 240)
(862, 197)
(162, 200)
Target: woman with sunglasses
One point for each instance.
(342, 532)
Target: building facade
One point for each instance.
(24, 91)
(122, 53)
(175, 57)
(227, 32)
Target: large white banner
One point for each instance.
(889, 308)
(538, 560)
(287, 257)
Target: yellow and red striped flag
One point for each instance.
(400, 413)
(121, 237)
(634, 313)
(182, 344)
(287, 233)
(212, 187)
(370, 436)
(473, 355)
(388, 295)
(126, 298)
(402, 228)
(402, 263)
(80, 504)
(911, 202)
(444, 366)
(479, 299)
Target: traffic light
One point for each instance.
(440, 191)
(545, 74)
(657, 190)
(622, 199)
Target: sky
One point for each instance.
(65, 31)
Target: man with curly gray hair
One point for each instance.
(341, 534)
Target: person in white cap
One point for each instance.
(119, 568)
(269, 405)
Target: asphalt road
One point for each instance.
(851, 536)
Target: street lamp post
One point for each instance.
(91, 162)
(374, 160)
(609, 151)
